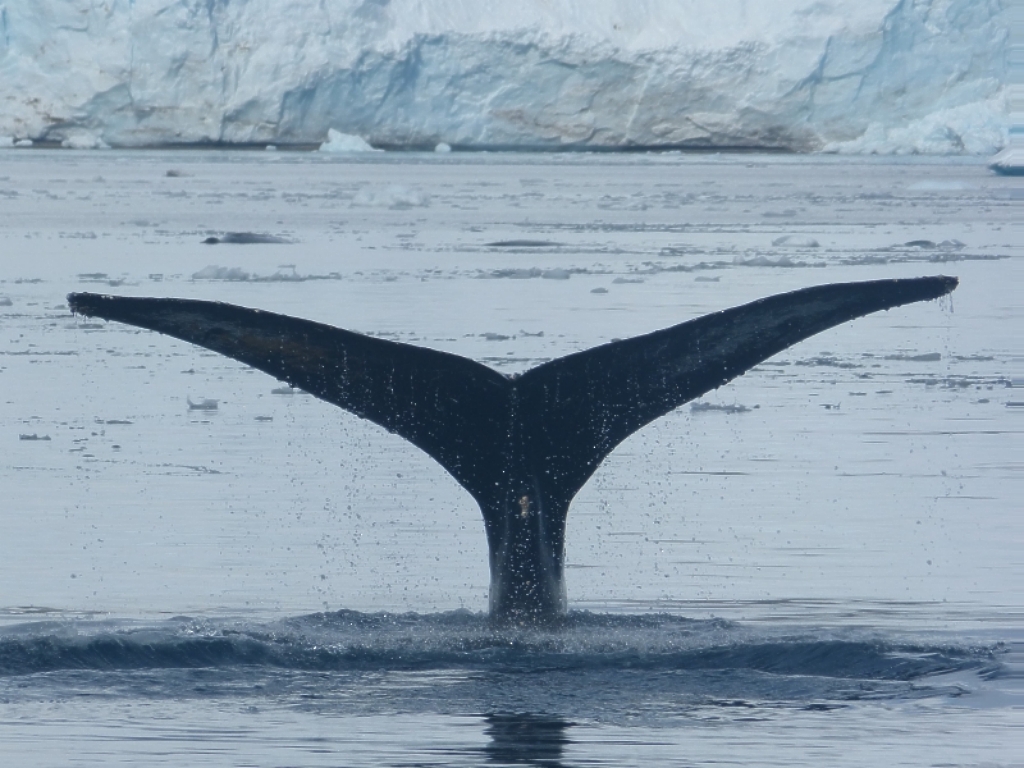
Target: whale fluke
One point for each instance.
(522, 445)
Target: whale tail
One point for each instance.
(583, 405)
(521, 445)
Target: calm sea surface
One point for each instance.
(818, 564)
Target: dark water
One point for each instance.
(598, 667)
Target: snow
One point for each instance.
(889, 76)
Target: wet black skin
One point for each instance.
(526, 539)
(521, 445)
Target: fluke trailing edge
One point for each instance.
(521, 445)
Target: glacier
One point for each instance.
(886, 76)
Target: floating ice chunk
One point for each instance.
(796, 241)
(204, 404)
(345, 142)
(245, 238)
(33, 436)
(6, 141)
(709, 407)
(270, 148)
(393, 196)
(556, 274)
(6, 302)
(292, 277)
(938, 185)
(931, 245)
(975, 125)
(514, 274)
(443, 147)
(928, 357)
(83, 140)
(24, 143)
(766, 261)
(1009, 162)
(523, 244)
(283, 391)
(599, 290)
(213, 272)
(828, 361)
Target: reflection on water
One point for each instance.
(351, 688)
(526, 739)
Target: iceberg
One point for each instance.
(1009, 162)
(82, 139)
(345, 142)
(892, 76)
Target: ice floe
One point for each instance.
(245, 238)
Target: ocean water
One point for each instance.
(816, 564)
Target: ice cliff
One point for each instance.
(866, 76)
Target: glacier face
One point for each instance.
(871, 76)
